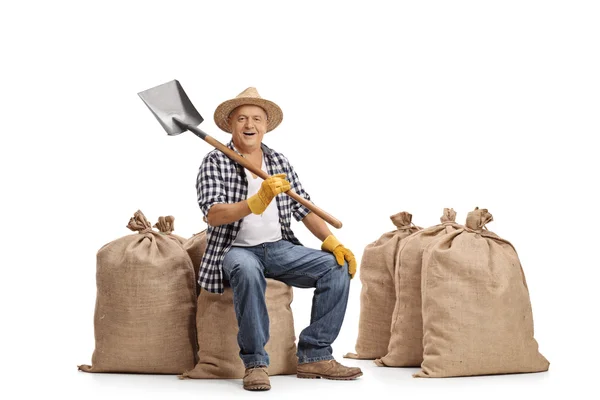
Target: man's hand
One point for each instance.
(270, 188)
(332, 245)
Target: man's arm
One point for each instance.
(222, 214)
(316, 226)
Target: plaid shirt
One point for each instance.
(221, 180)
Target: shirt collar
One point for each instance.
(266, 150)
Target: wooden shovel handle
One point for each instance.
(259, 172)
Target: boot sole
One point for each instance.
(333, 378)
(257, 388)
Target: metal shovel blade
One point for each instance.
(169, 101)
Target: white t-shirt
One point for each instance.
(258, 229)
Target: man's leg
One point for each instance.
(244, 270)
(304, 267)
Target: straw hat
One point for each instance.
(249, 96)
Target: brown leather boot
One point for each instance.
(257, 378)
(328, 369)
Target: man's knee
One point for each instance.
(245, 270)
(339, 275)
(344, 275)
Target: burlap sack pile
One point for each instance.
(377, 297)
(406, 341)
(477, 316)
(218, 350)
(144, 319)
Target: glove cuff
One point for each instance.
(330, 243)
(256, 204)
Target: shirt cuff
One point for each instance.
(300, 213)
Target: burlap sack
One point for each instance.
(195, 247)
(166, 226)
(377, 297)
(405, 347)
(477, 317)
(218, 350)
(145, 305)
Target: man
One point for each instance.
(249, 239)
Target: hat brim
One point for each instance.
(274, 113)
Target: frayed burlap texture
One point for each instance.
(218, 350)
(378, 296)
(477, 316)
(145, 305)
(166, 226)
(405, 347)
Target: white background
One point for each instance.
(389, 107)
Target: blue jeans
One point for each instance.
(246, 269)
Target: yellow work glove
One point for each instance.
(270, 188)
(332, 245)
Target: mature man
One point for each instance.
(250, 239)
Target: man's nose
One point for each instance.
(249, 123)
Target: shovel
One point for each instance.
(176, 113)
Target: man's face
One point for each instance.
(248, 126)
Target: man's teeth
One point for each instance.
(249, 133)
